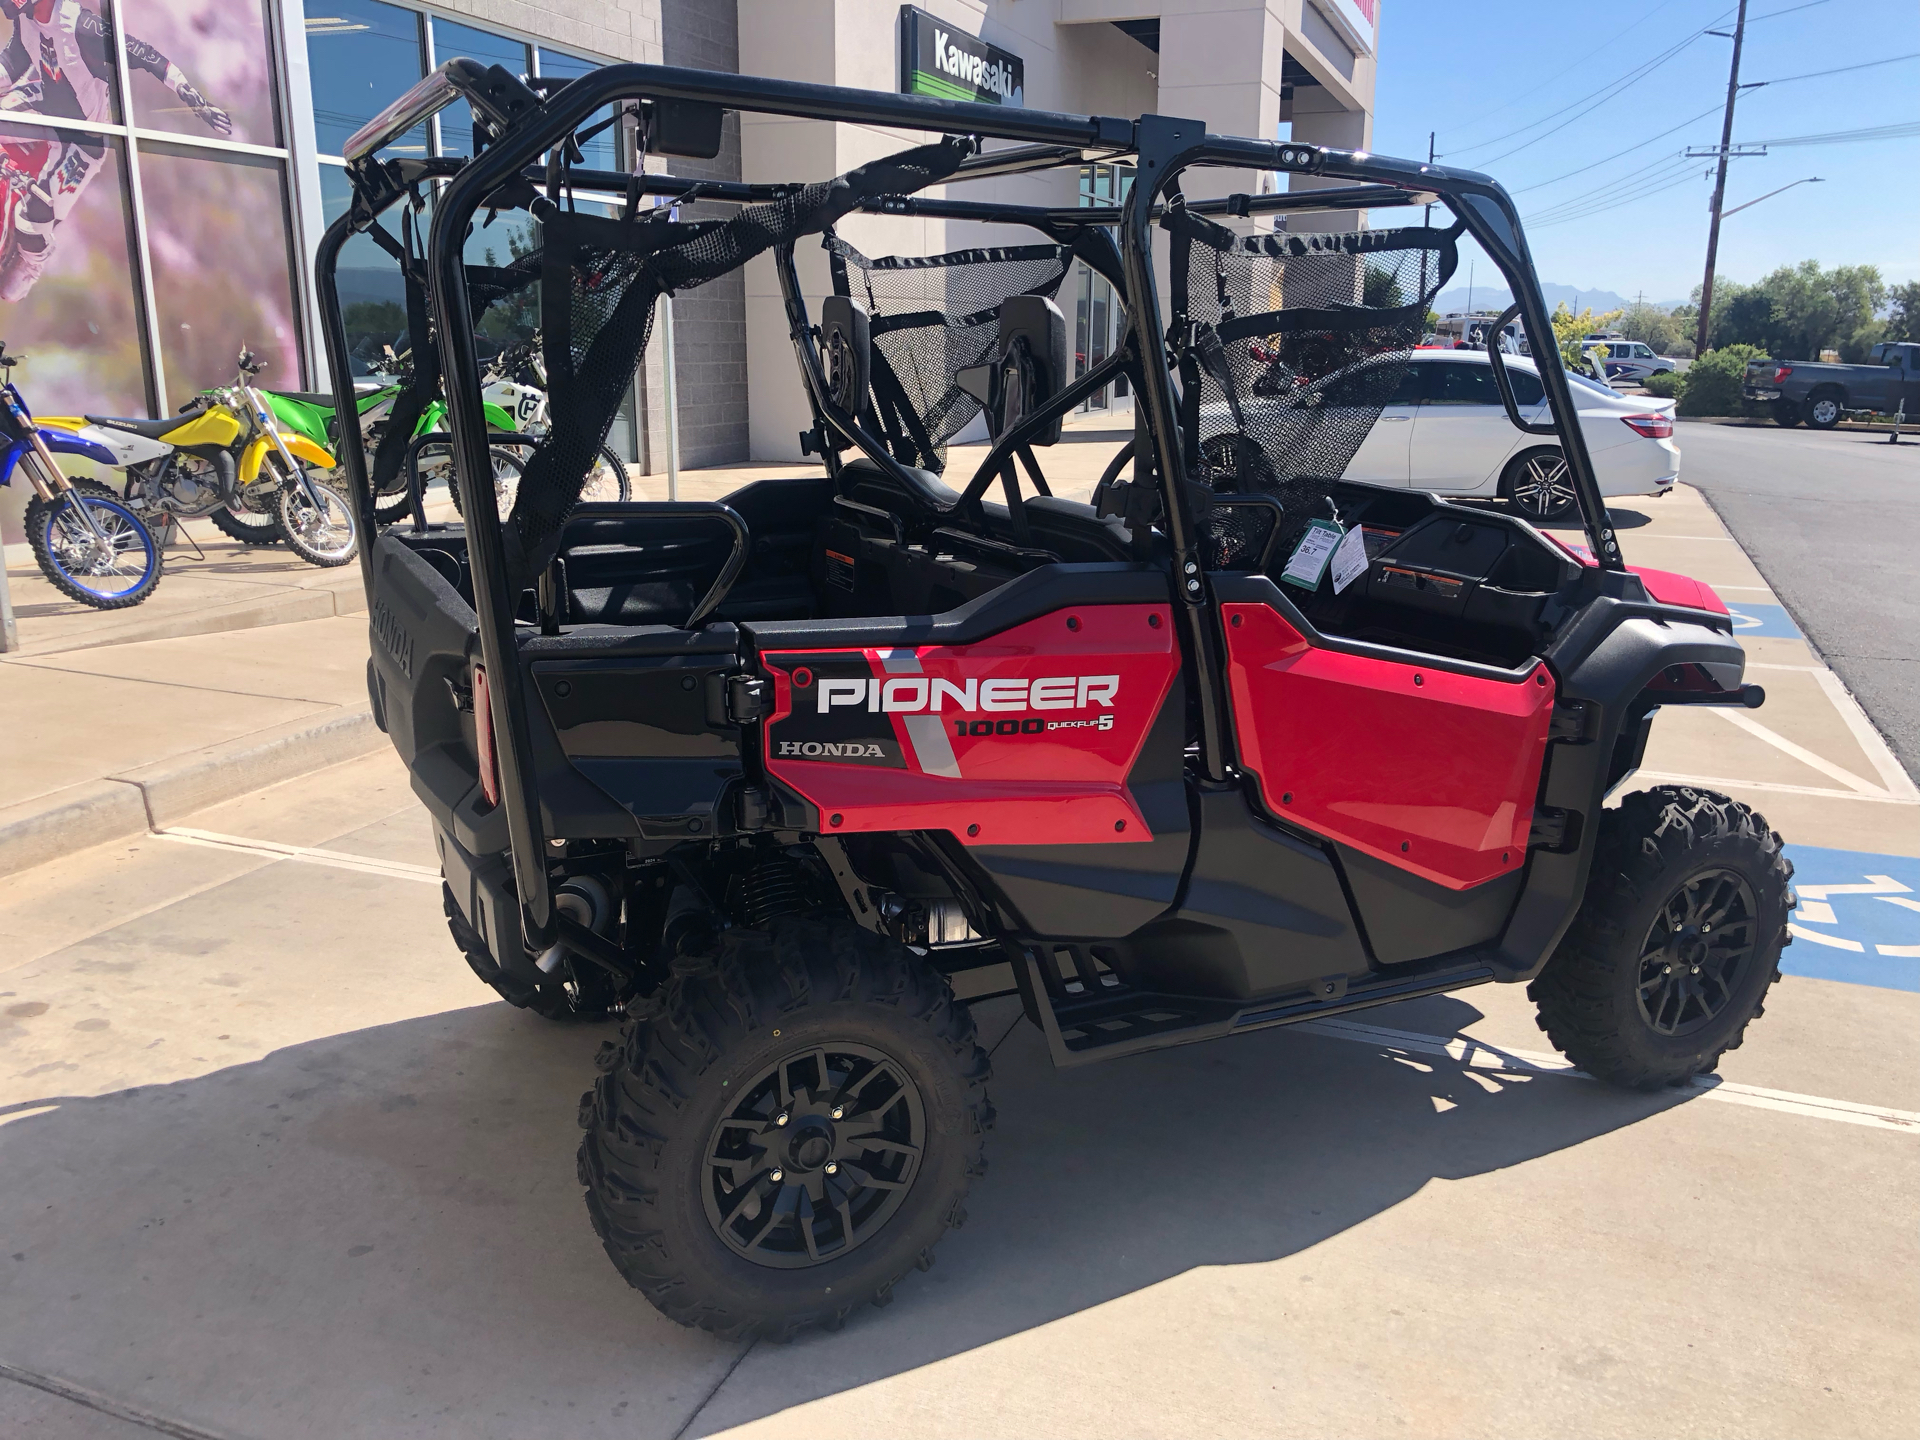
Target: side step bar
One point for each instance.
(1095, 1017)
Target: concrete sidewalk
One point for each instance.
(109, 741)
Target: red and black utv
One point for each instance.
(781, 780)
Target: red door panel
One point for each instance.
(1022, 739)
(1426, 769)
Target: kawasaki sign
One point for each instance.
(938, 59)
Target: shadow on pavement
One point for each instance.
(381, 1231)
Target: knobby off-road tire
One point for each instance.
(684, 1131)
(592, 996)
(1676, 942)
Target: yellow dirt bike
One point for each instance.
(213, 459)
(314, 518)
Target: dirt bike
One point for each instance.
(182, 466)
(515, 388)
(312, 513)
(86, 542)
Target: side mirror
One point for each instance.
(1033, 364)
(846, 349)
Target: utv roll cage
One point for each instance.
(524, 142)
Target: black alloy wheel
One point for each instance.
(815, 1157)
(1696, 953)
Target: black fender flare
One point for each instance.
(1602, 712)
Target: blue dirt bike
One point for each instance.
(86, 541)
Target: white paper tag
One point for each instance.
(1310, 556)
(1349, 559)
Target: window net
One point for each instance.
(1290, 346)
(930, 317)
(599, 279)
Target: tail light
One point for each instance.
(1655, 426)
(1781, 372)
(483, 736)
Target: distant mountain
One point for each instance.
(1496, 297)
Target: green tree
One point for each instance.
(1800, 310)
(1380, 290)
(1569, 327)
(1903, 311)
(1652, 326)
(1713, 381)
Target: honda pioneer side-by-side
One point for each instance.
(785, 782)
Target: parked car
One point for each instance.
(1630, 360)
(1445, 430)
(1822, 394)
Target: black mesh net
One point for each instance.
(1290, 346)
(930, 318)
(420, 369)
(599, 280)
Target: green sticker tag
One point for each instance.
(1311, 555)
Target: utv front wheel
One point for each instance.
(789, 1126)
(1675, 944)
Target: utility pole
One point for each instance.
(1720, 184)
(1428, 222)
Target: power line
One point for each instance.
(1651, 184)
(1509, 103)
(1606, 193)
(1612, 88)
(1846, 137)
(1691, 120)
(1615, 205)
(1617, 86)
(1842, 70)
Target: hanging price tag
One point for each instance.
(1310, 556)
(1349, 559)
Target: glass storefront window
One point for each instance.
(451, 39)
(220, 47)
(363, 55)
(602, 152)
(69, 307)
(217, 236)
(373, 297)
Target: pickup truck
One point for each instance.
(1821, 394)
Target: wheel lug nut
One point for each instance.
(1695, 970)
(838, 1111)
(777, 1176)
(781, 1118)
(833, 1167)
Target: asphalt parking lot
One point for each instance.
(272, 1163)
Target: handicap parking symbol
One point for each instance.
(1857, 920)
(1765, 621)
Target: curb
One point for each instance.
(290, 606)
(137, 801)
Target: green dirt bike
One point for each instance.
(514, 403)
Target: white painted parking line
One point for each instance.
(1478, 1055)
(306, 854)
(1671, 777)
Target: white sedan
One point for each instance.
(1445, 430)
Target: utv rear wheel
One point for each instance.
(587, 993)
(1675, 944)
(788, 1127)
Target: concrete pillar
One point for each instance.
(1221, 62)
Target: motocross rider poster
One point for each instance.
(214, 230)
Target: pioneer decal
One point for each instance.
(1024, 737)
(903, 695)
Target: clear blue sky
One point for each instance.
(1475, 70)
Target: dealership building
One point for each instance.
(191, 208)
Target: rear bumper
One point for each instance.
(1757, 393)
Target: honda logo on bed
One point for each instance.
(832, 749)
(912, 694)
